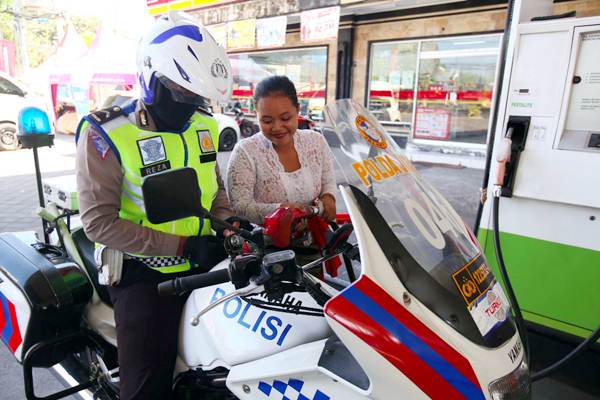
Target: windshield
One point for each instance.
(412, 221)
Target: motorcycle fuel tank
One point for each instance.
(236, 332)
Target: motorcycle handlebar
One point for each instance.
(179, 286)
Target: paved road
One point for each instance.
(19, 199)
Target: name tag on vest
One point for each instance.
(155, 168)
(204, 158)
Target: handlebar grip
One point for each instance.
(186, 284)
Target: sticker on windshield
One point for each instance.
(482, 294)
(473, 280)
(369, 132)
(490, 310)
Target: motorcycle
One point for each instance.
(247, 127)
(306, 123)
(423, 318)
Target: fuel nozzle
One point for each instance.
(502, 158)
(510, 148)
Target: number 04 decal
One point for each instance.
(433, 221)
(425, 224)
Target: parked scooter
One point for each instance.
(306, 123)
(247, 127)
(426, 318)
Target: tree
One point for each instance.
(40, 27)
(7, 21)
(40, 39)
(86, 27)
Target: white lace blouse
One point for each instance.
(257, 183)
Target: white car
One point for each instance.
(14, 97)
(229, 130)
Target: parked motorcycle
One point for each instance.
(306, 123)
(425, 318)
(247, 127)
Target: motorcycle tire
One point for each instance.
(83, 365)
(195, 384)
(304, 125)
(8, 137)
(247, 129)
(227, 139)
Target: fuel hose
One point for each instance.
(519, 316)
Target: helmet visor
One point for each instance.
(181, 94)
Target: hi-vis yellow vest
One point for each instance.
(142, 153)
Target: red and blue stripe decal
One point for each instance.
(9, 325)
(415, 350)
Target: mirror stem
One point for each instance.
(38, 179)
(218, 221)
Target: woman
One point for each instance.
(280, 166)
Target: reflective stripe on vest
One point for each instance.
(144, 153)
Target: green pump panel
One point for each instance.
(550, 219)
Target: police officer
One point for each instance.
(180, 66)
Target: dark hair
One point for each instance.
(276, 84)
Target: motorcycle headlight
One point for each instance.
(514, 386)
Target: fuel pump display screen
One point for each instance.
(583, 116)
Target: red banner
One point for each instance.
(7, 57)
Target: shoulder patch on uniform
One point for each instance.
(100, 144)
(106, 114)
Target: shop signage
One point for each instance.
(312, 4)
(156, 7)
(245, 10)
(271, 31)
(241, 34)
(320, 24)
(432, 124)
(219, 33)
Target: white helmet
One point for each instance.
(178, 50)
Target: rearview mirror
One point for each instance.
(339, 237)
(172, 195)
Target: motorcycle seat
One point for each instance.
(86, 250)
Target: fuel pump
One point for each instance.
(547, 152)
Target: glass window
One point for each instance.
(455, 79)
(392, 81)
(307, 68)
(7, 87)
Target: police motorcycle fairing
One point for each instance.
(425, 319)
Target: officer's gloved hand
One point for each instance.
(204, 251)
(237, 222)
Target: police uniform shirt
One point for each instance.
(99, 180)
